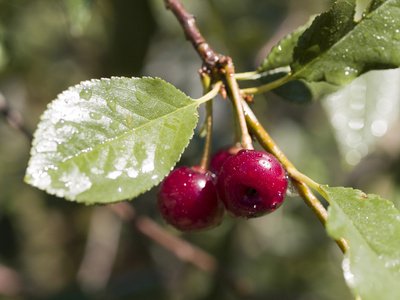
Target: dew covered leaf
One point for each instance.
(371, 226)
(108, 140)
(281, 55)
(336, 48)
(277, 65)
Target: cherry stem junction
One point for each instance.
(221, 65)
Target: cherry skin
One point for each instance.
(218, 158)
(188, 200)
(251, 184)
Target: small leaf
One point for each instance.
(107, 140)
(276, 65)
(371, 226)
(337, 49)
(281, 55)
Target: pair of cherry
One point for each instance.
(247, 184)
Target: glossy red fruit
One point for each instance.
(252, 183)
(188, 200)
(218, 158)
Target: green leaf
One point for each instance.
(281, 55)
(337, 49)
(107, 140)
(276, 65)
(371, 226)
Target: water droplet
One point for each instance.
(170, 126)
(128, 120)
(114, 125)
(291, 191)
(114, 174)
(140, 97)
(112, 104)
(396, 35)
(108, 85)
(86, 94)
(132, 172)
(341, 75)
(95, 116)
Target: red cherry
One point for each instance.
(188, 200)
(218, 158)
(252, 183)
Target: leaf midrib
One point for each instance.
(129, 132)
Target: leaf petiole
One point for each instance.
(295, 174)
(211, 94)
(246, 75)
(269, 86)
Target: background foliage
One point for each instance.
(47, 46)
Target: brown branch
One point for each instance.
(192, 33)
(181, 248)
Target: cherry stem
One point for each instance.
(237, 100)
(297, 178)
(236, 127)
(205, 160)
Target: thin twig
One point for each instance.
(181, 248)
(100, 250)
(192, 33)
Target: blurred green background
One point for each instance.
(54, 249)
